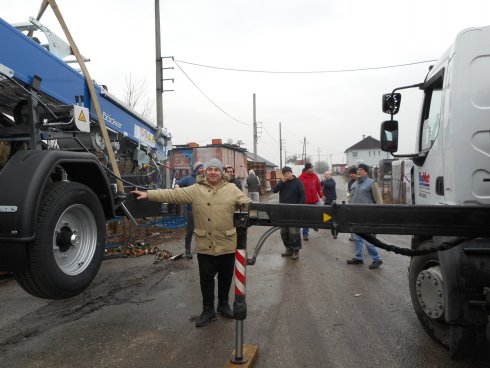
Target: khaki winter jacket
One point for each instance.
(213, 210)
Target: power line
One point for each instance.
(321, 155)
(209, 99)
(306, 71)
(270, 135)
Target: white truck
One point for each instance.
(447, 210)
(450, 290)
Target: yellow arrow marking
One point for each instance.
(82, 117)
(326, 217)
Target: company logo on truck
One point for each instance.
(144, 136)
(424, 181)
(111, 120)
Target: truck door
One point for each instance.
(429, 170)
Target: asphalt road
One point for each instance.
(314, 312)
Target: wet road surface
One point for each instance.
(314, 312)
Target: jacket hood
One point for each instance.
(307, 174)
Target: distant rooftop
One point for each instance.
(250, 157)
(367, 143)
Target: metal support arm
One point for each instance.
(464, 221)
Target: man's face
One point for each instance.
(230, 171)
(310, 170)
(213, 175)
(287, 176)
(353, 175)
(200, 171)
(327, 175)
(361, 173)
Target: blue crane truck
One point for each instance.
(57, 187)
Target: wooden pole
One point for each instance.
(93, 94)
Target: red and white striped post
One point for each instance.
(240, 305)
(240, 272)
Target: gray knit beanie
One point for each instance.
(214, 162)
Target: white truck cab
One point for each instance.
(452, 163)
(450, 289)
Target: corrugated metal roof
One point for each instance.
(250, 156)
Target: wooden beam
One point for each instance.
(93, 94)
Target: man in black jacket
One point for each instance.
(230, 174)
(291, 190)
(328, 188)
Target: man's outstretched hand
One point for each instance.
(139, 194)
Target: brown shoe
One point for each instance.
(287, 253)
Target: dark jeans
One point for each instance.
(189, 228)
(291, 238)
(209, 266)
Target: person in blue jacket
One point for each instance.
(186, 181)
(291, 190)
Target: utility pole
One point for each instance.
(280, 146)
(304, 151)
(318, 154)
(255, 132)
(159, 77)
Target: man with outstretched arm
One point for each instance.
(213, 201)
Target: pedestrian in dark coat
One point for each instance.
(328, 188)
(291, 190)
(352, 180)
(230, 176)
(187, 181)
(252, 184)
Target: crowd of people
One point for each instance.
(212, 192)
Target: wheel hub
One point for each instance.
(429, 288)
(66, 238)
(75, 239)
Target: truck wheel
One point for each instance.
(69, 244)
(427, 293)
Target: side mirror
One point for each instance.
(391, 103)
(389, 136)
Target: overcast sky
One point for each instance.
(332, 110)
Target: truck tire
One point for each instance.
(423, 299)
(466, 340)
(70, 240)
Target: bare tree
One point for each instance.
(292, 159)
(135, 96)
(148, 109)
(321, 166)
